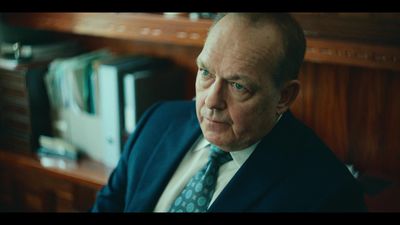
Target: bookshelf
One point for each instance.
(350, 78)
(179, 39)
(149, 27)
(356, 39)
(31, 184)
(37, 187)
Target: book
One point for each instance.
(111, 100)
(24, 108)
(129, 102)
(9, 64)
(72, 85)
(69, 81)
(145, 87)
(57, 147)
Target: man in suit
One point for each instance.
(246, 81)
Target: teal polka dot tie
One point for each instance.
(197, 194)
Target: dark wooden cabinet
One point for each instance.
(27, 184)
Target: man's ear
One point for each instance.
(288, 94)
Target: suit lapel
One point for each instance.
(270, 162)
(176, 141)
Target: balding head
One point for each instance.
(288, 53)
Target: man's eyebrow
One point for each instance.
(246, 79)
(240, 77)
(200, 63)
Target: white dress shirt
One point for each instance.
(192, 162)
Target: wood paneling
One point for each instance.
(374, 128)
(368, 55)
(391, 115)
(356, 112)
(27, 184)
(382, 28)
(322, 104)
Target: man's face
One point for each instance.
(235, 97)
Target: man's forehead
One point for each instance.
(241, 57)
(236, 60)
(262, 40)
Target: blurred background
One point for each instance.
(73, 86)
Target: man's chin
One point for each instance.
(213, 138)
(217, 140)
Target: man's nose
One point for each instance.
(215, 96)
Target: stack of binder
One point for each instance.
(97, 98)
(129, 85)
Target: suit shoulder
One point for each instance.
(303, 135)
(315, 152)
(165, 112)
(176, 106)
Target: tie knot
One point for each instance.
(219, 155)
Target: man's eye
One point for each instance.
(204, 72)
(238, 86)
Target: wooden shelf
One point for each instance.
(85, 171)
(381, 28)
(364, 40)
(370, 40)
(128, 26)
(35, 184)
(366, 55)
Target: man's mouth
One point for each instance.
(215, 121)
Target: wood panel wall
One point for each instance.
(356, 111)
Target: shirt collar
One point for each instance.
(201, 143)
(239, 157)
(242, 155)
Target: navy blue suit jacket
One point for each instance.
(290, 170)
